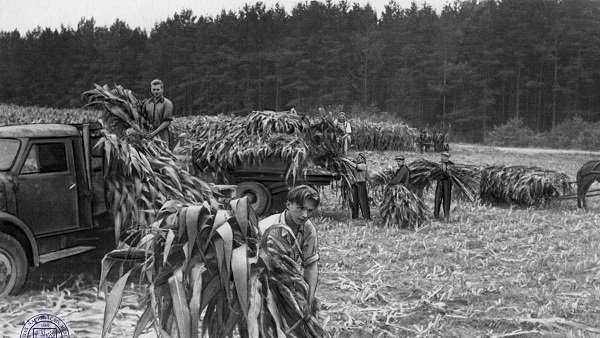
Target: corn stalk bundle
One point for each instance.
(122, 109)
(266, 123)
(379, 136)
(217, 269)
(378, 182)
(423, 173)
(527, 186)
(325, 139)
(140, 174)
(402, 207)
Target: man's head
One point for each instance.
(362, 158)
(400, 160)
(445, 157)
(342, 117)
(156, 87)
(302, 201)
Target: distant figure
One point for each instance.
(443, 189)
(428, 141)
(401, 177)
(293, 111)
(422, 140)
(344, 125)
(159, 112)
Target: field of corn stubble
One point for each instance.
(490, 272)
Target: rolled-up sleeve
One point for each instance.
(310, 253)
(168, 113)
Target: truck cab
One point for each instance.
(52, 199)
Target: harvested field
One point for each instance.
(490, 272)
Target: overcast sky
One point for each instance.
(25, 15)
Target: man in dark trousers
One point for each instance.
(360, 196)
(402, 175)
(443, 189)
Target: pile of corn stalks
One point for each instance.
(402, 208)
(520, 185)
(198, 262)
(219, 148)
(464, 177)
(379, 136)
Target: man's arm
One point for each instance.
(160, 128)
(311, 276)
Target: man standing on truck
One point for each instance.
(302, 201)
(159, 112)
(344, 125)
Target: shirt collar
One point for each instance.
(160, 99)
(282, 221)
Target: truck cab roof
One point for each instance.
(38, 130)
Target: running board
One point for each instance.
(52, 256)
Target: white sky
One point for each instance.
(25, 15)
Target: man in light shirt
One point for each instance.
(301, 203)
(344, 125)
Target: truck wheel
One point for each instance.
(13, 265)
(258, 195)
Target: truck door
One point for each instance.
(46, 187)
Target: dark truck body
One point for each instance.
(52, 197)
(266, 185)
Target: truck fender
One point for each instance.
(21, 226)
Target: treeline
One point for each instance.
(473, 65)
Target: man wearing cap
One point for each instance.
(443, 189)
(344, 125)
(360, 196)
(402, 175)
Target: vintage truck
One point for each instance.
(52, 197)
(53, 202)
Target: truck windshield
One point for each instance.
(8, 151)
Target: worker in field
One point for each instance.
(443, 189)
(360, 195)
(344, 125)
(159, 112)
(302, 201)
(422, 140)
(402, 175)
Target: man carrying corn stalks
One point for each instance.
(443, 189)
(360, 195)
(159, 111)
(402, 175)
(302, 201)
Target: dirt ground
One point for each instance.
(492, 271)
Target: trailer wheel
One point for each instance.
(13, 265)
(258, 195)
